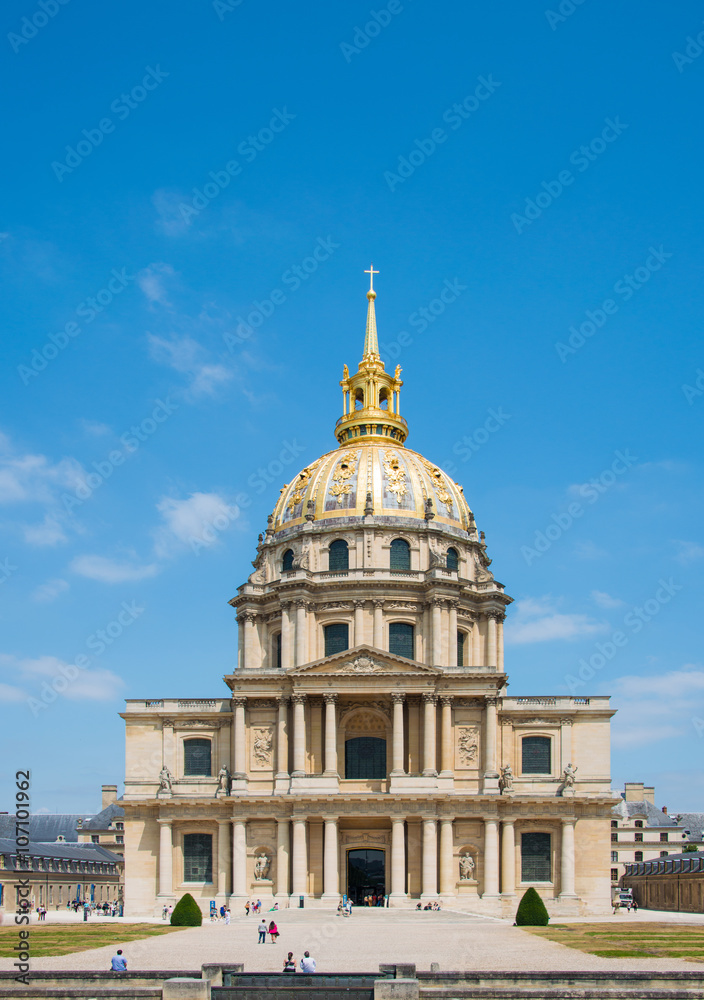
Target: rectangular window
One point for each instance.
(614, 874)
(196, 758)
(639, 838)
(337, 638)
(535, 755)
(119, 839)
(197, 857)
(95, 839)
(614, 856)
(535, 857)
(614, 838)
(663, 838)
(663, 854)
(461, 636)
(277, 651)
(639, 823)
(401, 639)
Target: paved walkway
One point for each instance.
(457, 941)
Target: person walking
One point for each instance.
(308, 964)
(290, 963)
(118, 963)
(262, 929)
(227, 916)
(273, 931)
(246, 907)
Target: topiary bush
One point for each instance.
(531, 910)
(186, 913)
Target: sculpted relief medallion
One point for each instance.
(262, 744)
(468, 746)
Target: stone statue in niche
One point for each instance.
(224, 780)
(467, 867)
(261, 867)
(165, 780)
(568, 779)
(506, 779)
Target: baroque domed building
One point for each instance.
(367, 745)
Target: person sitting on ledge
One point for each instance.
(118, 964)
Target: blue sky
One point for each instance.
(192, 194)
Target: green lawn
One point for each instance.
(632, 940)
(63, 939)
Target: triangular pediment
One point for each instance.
(363, 660)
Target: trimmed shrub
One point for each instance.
(186, 913)
(531, 910)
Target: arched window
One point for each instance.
(365, 757)
(461, 637)
(453, 560)
(400, 554)
(359, 399)
(339, 556)
(383, 399)
(276, 650)
(535, 755)
(535, 857)
(401, 639)
(197, 857)
(196, 758)
(337, 638)
(287, 561)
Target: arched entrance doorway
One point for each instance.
(366, 874)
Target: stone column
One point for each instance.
(430, 858)
(166, 857)
(282, 838)
(476, 643)
(379, 624)
(330, 733)
(447, 858)
(491, 857)
(331, 875)
(301, 636)
(452, 635)
(240, 642)
(446, 761)
(398, 859)
(223, 857)
(491, 640)
(397, 758)
(429, 740)
(282, 739)
(299, 735)
(500, 643)
(250, 636)
(286, 636)
(567, 860)
(490, 727)
(300, 858)
(565, 743)
(508, 858)
(240, 738)
(437, 632)
(358, 622)
(239, 858)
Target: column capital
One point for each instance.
(492, 700)
(359, 604)
(301, 603)
(286, 605)
(566, 722)
(568, 820)
(166, 822)
(299, 698)
(446, 699)
(239, 701)
(223, 822)
(453, 603)
(283, 699)
(378, 604)
(330, 697)
(398, 697)
(429, 696)
(437, 602)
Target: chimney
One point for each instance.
(109, 795)
(664, 809)
(633, 791)
(649, 794)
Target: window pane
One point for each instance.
(401, 639)
(461, 636)
(535, 857)
(452, 559)
(197, 857)
(400, 554)
(287, 564)
(277, 650)
(196, 755)
(336, 638)
(339, 556)
(365, 757)
(536, 755)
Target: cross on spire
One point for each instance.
(371, 272)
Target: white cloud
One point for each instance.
(688, 552)
(604, 600)
(151, 281)
(9, 693)
(95, 428)
(659, 707)
(186, 355)
(111, 570)
(538, 620)
(170, 220)
(49, 532)
(77, 685)
(34, 478)
(50, 590)
(186, 521)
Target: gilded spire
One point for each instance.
(371, 342)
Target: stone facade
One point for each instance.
(368, 733)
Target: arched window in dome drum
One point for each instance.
(461, 636)
(401, 638)
(287, 561)
(359, 399)
(339, 556)
(337, 638)
(383, 399)
(400, 554)
(453, 560)
(365, 757)
(197, 758)
(276, 650)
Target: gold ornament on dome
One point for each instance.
(395, 476)
(439, 484)
(345, 470)
(301, 486)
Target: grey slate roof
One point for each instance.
(103, 819)
(650, 813)
(44, 827)
(67, 852)
(694, 822)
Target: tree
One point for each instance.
(690, 847)
(186, 913)
(531, 910)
